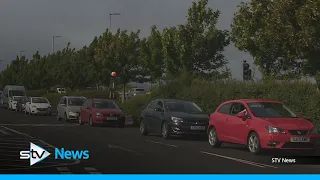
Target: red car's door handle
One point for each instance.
(226, 119)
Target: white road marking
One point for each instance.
(4, 132)
(64, 170)
(37, 167)
(17, 132)
(92, 170)
(124, 149)
(162, 143)
(240, 160)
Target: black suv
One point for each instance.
(173, 117)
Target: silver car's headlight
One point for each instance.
(177, 120)
(71, 113)
(275, 130)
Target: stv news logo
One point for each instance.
(37, 154)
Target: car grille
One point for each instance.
(112, 115)
(297, 145)
(298, 132)
(200, 122)
(41, 109)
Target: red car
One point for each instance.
(101, 112)
(260, 124)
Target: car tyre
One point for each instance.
(143, 128)
(213, 138)
(90, 121)
(58, 117)
(80, 121)
(65, 118)
(253, 143)
(165, 131)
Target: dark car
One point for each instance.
(21, 104)
(173, 117)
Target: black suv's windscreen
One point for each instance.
(271, 110)
(182, 106)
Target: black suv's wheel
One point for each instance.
(143, 128)
(165, 131)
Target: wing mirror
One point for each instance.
(300, 115)
(242, 115)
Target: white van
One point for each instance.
(10, 91)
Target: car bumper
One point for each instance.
(282, 141)
(105, 120)
(14, 107)
(36, 111)
(73, 116)
(183, 129)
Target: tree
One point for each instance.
(120, 53)
(282, 36)
(151, 55)
(197, 46)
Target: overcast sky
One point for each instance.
(28, 25)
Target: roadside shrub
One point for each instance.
(301, 96)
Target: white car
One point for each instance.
(37, 105)
(12, 104)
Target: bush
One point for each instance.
(301, 96)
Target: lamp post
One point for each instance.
(53, 37)
(110, 16)
(113, 77)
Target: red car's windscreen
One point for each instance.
(105, 105)
(270, 110)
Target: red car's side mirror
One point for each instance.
(242, 116)
(300, 115)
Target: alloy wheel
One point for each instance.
(212, 137)
(253, 143)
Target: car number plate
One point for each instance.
(198, 127)
(112, 118)
(299, 139)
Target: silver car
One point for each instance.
(136, 91)
(69, 108)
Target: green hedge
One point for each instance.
(301, 96)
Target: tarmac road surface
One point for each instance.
(124, 151)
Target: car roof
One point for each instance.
(252, 100)
(101, 99)
(167, 100)
(73, 97)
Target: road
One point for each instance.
(124, 151)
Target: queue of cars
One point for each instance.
(258, 124)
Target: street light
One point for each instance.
(20, 53)
(110, 16)
(53, 37)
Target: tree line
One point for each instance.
(282, 36)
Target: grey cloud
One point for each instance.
(30, 24)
